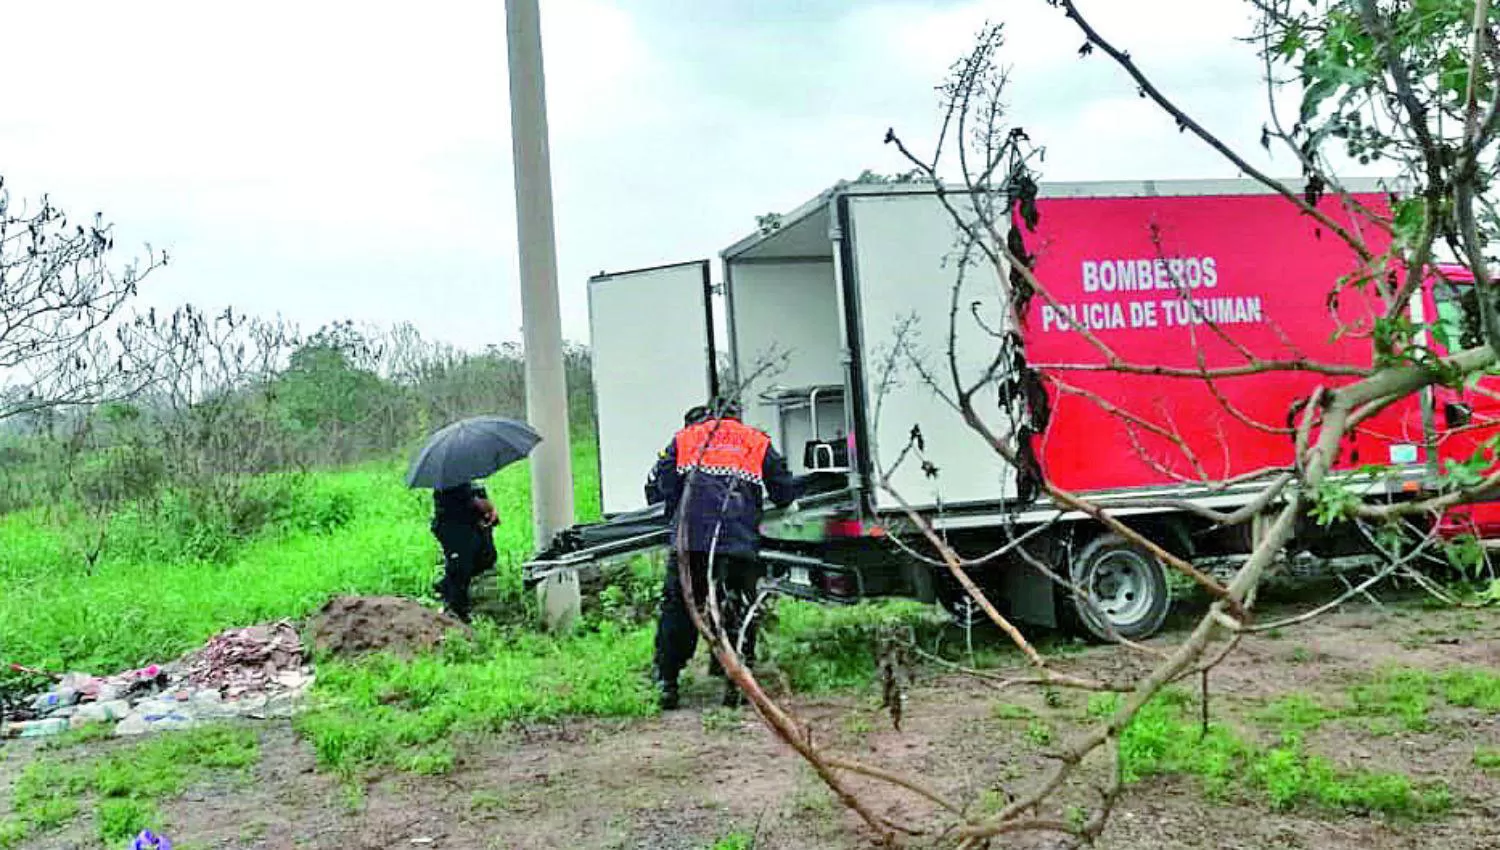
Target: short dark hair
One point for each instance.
(695, 414)
(727, 407)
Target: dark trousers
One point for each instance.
(468, 551)
(677, 637)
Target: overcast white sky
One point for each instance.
(331, 159)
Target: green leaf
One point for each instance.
(1464, 553)
(1332, 501)
(1491, 594)
(1463, 474)
(1442, 334)
(1291, 42)
(1408, 220)
(1313, 96)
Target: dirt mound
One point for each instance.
(354, 625)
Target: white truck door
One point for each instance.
(652, 338)
(904, 273)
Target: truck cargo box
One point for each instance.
(839, 321)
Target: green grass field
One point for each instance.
(151, 597)
(154, 594)
(357, 531)
(124, 787)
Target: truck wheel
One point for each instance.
(965, 612)
(1127, 585)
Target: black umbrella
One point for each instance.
(470, 449)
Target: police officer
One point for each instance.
(694, 415)
(729, 463)
(463, 521)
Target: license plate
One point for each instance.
(799, 576)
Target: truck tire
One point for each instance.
(965, 612)
(1127, 584)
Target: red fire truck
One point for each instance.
(855, 301)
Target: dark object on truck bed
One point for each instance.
(587, 542)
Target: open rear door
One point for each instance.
(902, 277)
(652, 338)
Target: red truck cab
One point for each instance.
(1466, 421)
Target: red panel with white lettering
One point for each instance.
(1188, 283)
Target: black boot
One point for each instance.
(733, 698)
(667, 695)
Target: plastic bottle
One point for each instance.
(53, 700)
(37, 728)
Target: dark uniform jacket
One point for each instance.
(730, 463)
(455, 505)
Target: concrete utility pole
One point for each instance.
(546, 385)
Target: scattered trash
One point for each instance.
(245, 660)
(36, 728)
(100, 712)
(30, 671)
(256, 672)
(133, 725)
(51, 701)
(149, 840)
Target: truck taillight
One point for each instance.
(852, 528)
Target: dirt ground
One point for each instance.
(689, 778)
(354, 625)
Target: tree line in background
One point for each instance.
(103, 406)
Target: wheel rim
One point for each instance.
(1120, 586)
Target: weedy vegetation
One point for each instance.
(120, 789)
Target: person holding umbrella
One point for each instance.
(463, 517)
(463, 521)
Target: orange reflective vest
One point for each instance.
(723, 447)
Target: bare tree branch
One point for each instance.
(1184, 121)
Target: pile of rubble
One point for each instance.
(258, 659)
(259, 671)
